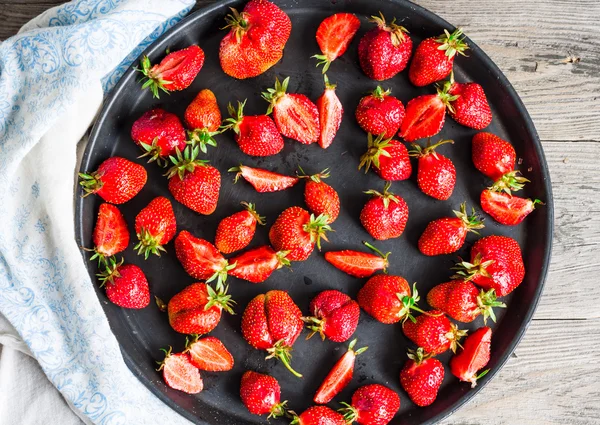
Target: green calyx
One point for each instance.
(419, 355)
(453, 43)
(103, 260)
(419, 151)
(162, 306)
(91, 183)
(381, 254)
(322, 60)
(443, 92)
(486, 302)
(317, 228)
(328, 85)
(349, 412)
(272, 95)
(315, 177)
(472, 222)
(474, 380)
(396, 31)
(221, 275)
(167, 355)
(281, 352)
(375, 149)
(468, 271)
(409, 303)
(185, 163)
(154, 152)
(238, 171)
(315, 325)
(386, 196)
(278, 410)
(202, 138)
(379, 93)
(148, 244)
(237, 22)
(510, 182)
(282, 258)
(220, 298)
(454, 335)
(150, 80)
(237, 116)
(110, 272)
(251, 208)
(357, 351)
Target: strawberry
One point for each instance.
(209, 354)
(155, 226)
(447, 234)
(426, 114)
(389, 159)
(334, 315)
(421, 377)
(261, 394)
(372, 405)
(436, 175)
(180, 374)
(493, 156)
(111, 235)
(318, 415)
(462, 301)
(256, 265)
(126, 285)
(320, 198)
(201, 259)
(297, 231)
(339, 376)
(193, 182)
(384, 216)
(330, 114)
(256, 135)
(434, 332)
(256, 39)
(380, 113)
(263, 180)
(203, 118)
(506, 209)
(434, 57)
(159, 133)
(358, 263)
(236, 231)
(116, 180)
(273, 322)
(175, 72)
(294, 114)
(334, 36)
(384, 51)
(471, 108)
(197, 308)
(474, 356)
(388, 299)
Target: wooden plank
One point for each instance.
(14, 15)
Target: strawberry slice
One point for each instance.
(425, 115)
(330, 114)
(357, 263)
(334, 36)
(111, 235)
(209, 354)
(263, 180)
(256, 265)
(180, 374)
(506, 209)
(474, 356)
(340, 376)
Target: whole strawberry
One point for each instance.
(425, 115)
(384, 216)
(116, 180)
(384, 51)
(380, 113)
(261, 394)
(334, 36)
(263, 180)
(209, 353)
(201, 259)
(159, 133)
(202, 117)
(126, 285)
(111, 235)
(447, 234)
(256, 265)
(474, 356)
(436, 175)
(434, 57)
(273, 322)
(319, 415)
(388, 299)
(372, 405)
(492, 155)
(175, 72)
(256, 135)
(320, 198)
(421, 377)
(155, 226)
(236, 231)
(334, 315)
(505, 208)
(358, 263)
(434, 332)
(330, 114)
(388, 157)
(471, 107)
(179, 373)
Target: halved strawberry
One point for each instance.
(474, 356)
(507, 209)
(334, 36)
(357, 263)
(263, 180)
(111, 235)
(209, 354)
(330, 114)
(256, 265)
(179, 373)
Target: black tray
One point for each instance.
(142, 333)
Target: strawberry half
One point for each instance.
(263, 180)
(436, 175)
(117, 180)
(179, 373)
(126, 285)
(236, 231)
(380, 113)
(384, 216)
(358, 263)
(209, 354)
(320, 198)
(474, 356)
(421, 377)
(506, 209)
(330, 114)
(261, 394)
(202, 117)
(492, 155)
(389, 158)
(334, 315)
(155, 226)
(334, 36)
(159, 133)
(111, 235)
(256, 265)
(201, 259)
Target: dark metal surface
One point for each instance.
(142, 333)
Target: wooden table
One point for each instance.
(550, 51)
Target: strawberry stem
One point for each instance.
(387, 196)
(185, 163)
(453, 43)
(472, 222)
(154, 152)
(486, 301)
(91, 183)
(509, 182)
(251, 208)
(237, 22)
(349, 412)
(315, 177)
(396, 31)
(282, 352)
(237, 116)
(150, 80)
(379, 93)
(110, 272)
(219, 298)
(148, 244)
(468, 271)
(272, 95)
(375, 148)
(201, 138)
(381, 254)
(323, 60)
(317, 228)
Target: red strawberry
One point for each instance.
(111, 235)
(236, 231)
(193, 182)
(261, 394)
(256, 135)
(389, 159)
(506, 209)
(334, 36)
(209, 354)
(297, 231)
(384, 51)
(256, 265)
(159, 133)
(334, 315)
(493, 156)
(388, 299)
(462, 301)
(320, 198)
(126, 285)
(197, 308)
(295, 115)
(319, 415)
(200, 259)
(426, 114)
(385, 215)
(358, 263)
(474, 356)
(471, 108)
(339, 376)
(203, 118)
(421, 377)
(372, 405)
(175, 72)
(447, 234)
(434, 57)
(434, 332)
(380, 113)
(256, 40)
(180, 374)
(436, 174)
(263, 180)
(116, 180)
(273, 322)
(330, 114)
(155, 226)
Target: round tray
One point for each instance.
(141, 333)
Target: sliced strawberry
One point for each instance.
(334, 36)
(330, 114)
(180, 374)
(256, 265)
(209, 354)
(506, 209)
(111, 235)
(474, 356)
(424, 117)
(264, 180)
(357, 263)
